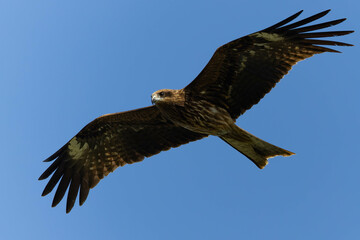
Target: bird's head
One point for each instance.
(167, 96)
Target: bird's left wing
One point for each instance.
(106, 143)
(241, 72)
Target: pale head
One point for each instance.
(168, 96)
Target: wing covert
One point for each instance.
(243, 71)
(106, 143)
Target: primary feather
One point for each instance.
(239, 75)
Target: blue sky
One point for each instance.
(64, 63)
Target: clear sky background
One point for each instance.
(64, 63)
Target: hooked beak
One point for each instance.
(153, 99)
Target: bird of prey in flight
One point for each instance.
(238, 76)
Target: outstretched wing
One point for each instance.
(241, 72)
(106, 143)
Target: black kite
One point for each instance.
(238, 75)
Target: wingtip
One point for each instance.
(45, 192)
(55, 202)
(56, 154)
(70, 204)
(325, 12)
(41, 177)
(81, 202)
(297, 14)
(68, 210)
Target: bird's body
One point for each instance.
(199, 116)
(238, 76)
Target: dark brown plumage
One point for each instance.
(238, 76)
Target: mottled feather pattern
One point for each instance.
(107, 143)
(205, 117)
(239, 75)
(243, 71)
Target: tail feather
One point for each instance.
(257, 150)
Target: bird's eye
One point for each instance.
(161, 94)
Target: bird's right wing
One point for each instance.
(106, 143)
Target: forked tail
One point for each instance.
(254, 148)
